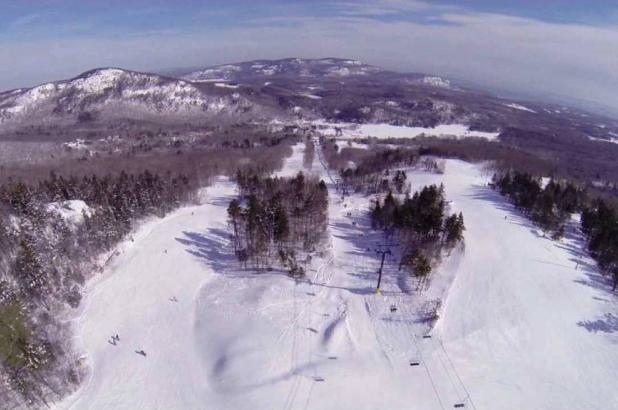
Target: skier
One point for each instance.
(143, 353)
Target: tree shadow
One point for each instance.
(607, 324)
(213, 248)
(364, 241)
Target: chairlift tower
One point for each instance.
(385, 250)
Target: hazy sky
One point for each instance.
(557, 47)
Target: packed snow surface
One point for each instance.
(526, 321)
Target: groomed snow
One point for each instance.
(525, 323)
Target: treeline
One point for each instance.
(549, 206)
(277, 220)
(600, 224)
(421, 226)
(45, 260)
(552, 205)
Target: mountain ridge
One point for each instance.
(334, 89)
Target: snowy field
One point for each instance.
(382, 131)
(525, 322)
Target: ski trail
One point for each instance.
(237, 340)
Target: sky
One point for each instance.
(549, 48)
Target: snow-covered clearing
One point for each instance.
(72, 211)
(612, 140)
(310, 96)
(382, 131)
(525, 324)
(226, 85)
(520, 107)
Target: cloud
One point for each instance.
(381, 8)
(24, 20)
(513, 53)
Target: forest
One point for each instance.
(600, 225)
(46, 259)
(421, 226)
(549, 206)
(278, 221)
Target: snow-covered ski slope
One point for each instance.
(521, 327)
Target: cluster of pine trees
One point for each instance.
(276, 219)
(548, 206)
(374, 173)
(360, 180)
(45, 260)
(421, 226)
(600, 224)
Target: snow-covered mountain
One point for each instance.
(337, 90)
(117, 93)
(290, 67)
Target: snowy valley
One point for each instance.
(525, 321)
(159, 247)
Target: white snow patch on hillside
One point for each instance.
(32, 97)
(520, 107)
(612, 140)
(210, 80)
(226, 85)
(382, 131)
(340, 71)
(310, 96)
(71, 211)
(436, 81)
(76, 144)
(100, 80)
